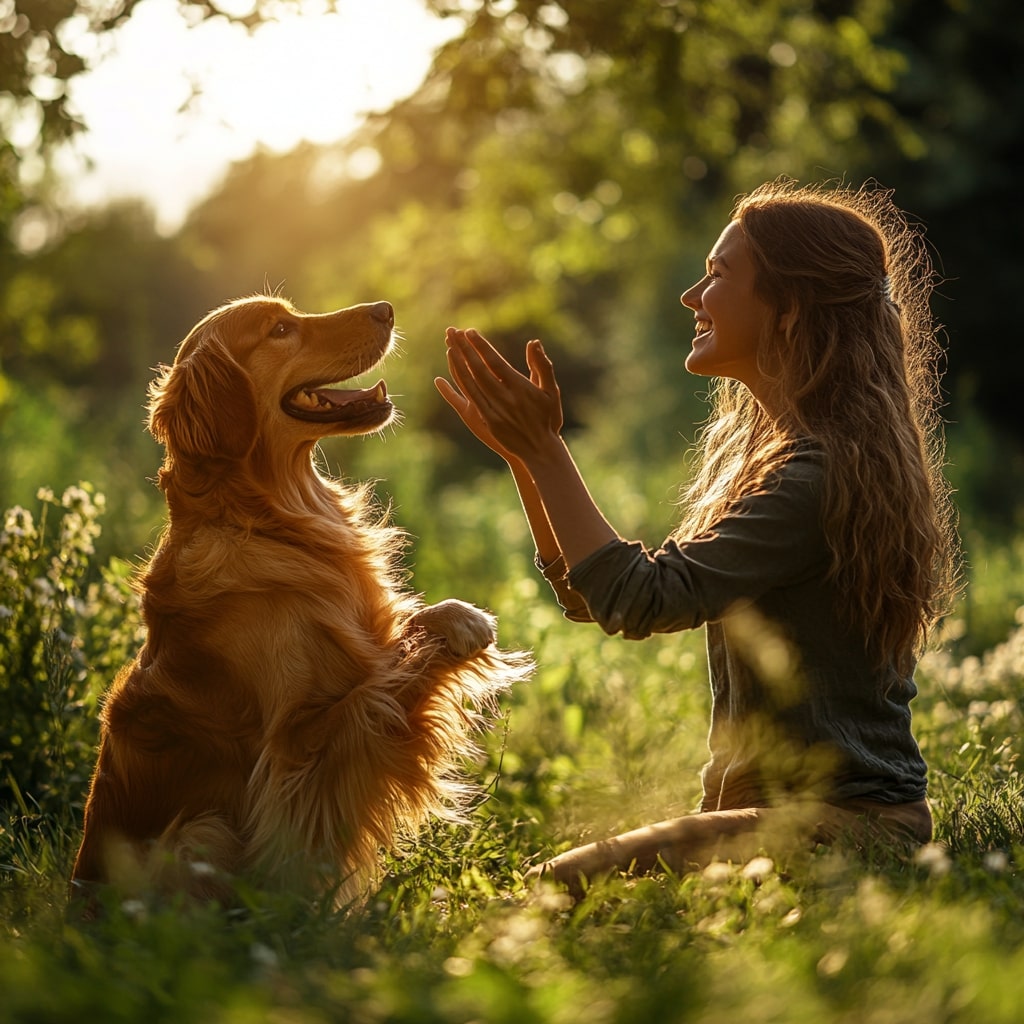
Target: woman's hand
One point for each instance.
(514, 415)
(520, 418)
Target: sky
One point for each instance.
(309, 76)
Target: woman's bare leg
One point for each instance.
(695, 840)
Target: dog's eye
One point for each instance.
(281, 328)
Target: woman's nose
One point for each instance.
(691, 297)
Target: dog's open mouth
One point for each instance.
(322, 403)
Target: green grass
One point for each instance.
(608, 734)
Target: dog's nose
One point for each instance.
(384, 312)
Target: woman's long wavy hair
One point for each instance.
(856, 371)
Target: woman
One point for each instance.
(817, 543)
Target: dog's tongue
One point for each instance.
(319, 399)
(354, 410)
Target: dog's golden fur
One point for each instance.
(295, 707)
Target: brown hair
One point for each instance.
(856, 371)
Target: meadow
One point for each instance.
(560, 174)
(607, 735)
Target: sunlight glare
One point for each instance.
(168, 106)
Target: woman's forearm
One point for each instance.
(543, 536)
(557, 494)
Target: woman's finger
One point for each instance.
(531, 362)
(467, 379)
(450, 395)
(542, 370)
(471, 417)
(542, 373)
(462, 371)
(471, 395)
(495, 362)
(462, 351)
(467, 410)
(541, 366)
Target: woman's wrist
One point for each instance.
(549, 454)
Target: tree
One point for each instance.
(564, 168)
(964, 94)
(562, 172)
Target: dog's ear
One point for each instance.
(204, 406)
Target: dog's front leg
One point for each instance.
(465, 629)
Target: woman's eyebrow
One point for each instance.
(712, 259)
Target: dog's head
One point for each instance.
(259, 367)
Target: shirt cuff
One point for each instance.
(556, 572)
(552, 571)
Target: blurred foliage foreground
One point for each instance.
(607, 735)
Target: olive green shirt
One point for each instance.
(799, 704)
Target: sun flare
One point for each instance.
(169, 105)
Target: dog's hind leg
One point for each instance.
(199, 856)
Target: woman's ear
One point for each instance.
(204, 406)
(786, 321)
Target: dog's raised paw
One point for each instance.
(466, 629)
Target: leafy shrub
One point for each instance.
(65, 627)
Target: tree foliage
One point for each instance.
(43, 46)
(45, 43)
(561, 173)
(964, 94)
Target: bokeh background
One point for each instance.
(560, 171)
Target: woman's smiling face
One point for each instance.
(730, 316)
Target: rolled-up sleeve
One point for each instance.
(770, 540)
(571, 602)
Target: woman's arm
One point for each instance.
(521, 418)
(548, 550)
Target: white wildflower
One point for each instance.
(76, 497)
(935, 858)
(833, 962)
(18, 522)
(263, 955)
(758, 869)
(718, 871)
(996, 861)
(133, 908)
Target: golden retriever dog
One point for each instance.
(295, 708)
